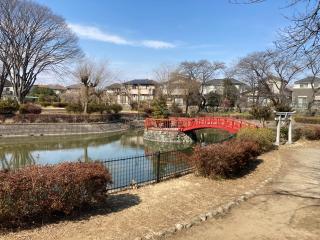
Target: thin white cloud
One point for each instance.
(157, 44)
(94, 33)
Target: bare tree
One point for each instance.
(90, 75)
(201, 71)
(252, 69)
(304, 32)
(312, 62)
(268, 74)
(32, 40)
(164, 75)
(3, 77)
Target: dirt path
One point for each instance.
(135, 213)
(289, 208)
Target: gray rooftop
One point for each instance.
(141, 82)
(220, 81)
(308, 80)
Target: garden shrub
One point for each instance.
(38, 192)
(311, 133)
(29, 108)
(96, 108)
(116, 108)
(264, 137)
(225, 159)
(8, 106)
(261, 113)
(74, 107)
(309, 120)
(175, 110)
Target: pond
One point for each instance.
(127, 156)
(19, 152)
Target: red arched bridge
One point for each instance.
(231, 125)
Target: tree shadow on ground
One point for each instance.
(113, 203)
(250, 167)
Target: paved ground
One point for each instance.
(289, 208)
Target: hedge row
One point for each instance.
(309, 120)
(224, 160)
(64, 118)
(309, 133)
(230, 158)
(39, 192)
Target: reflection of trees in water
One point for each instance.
(132, 141)
(16, 158)
(54, 143)
(211, 135)
(17, 152)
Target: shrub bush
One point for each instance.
(116, 108)
(96, 108)
(225, 159)
(309, 120)
(60, 104)
(311, 133)
(175, 110)
(37, 192)
(29, 108)
(261, 113)
(8, 106)
(264, 137)
(74, 107)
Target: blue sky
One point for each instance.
(136, 36)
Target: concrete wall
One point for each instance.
(50, 129)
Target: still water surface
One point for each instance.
(19, 152)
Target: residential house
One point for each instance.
(74, 88)
(303, 91)
(137, 90)
(217, 86)
(58, 89)
(7, 90)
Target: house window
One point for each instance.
(302, 101)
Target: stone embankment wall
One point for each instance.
(50, 129)
(173, 136)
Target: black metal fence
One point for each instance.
(149, 168)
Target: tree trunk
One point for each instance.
(85, 99)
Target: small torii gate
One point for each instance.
(284, 117)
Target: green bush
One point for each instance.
(74, 107)
(264, 137)
(8, 106)
(225, 159)
(116, 108)
(38, 192)
(309, 120)
(95, 107)
(261, 113)
(29, 108)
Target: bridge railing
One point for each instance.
(185, 124)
